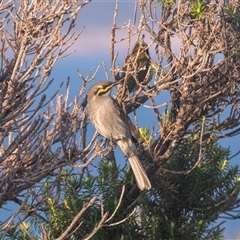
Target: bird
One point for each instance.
(110, 121)
(136, 66)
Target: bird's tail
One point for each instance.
(130, 151)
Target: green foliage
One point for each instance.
(145, 136)
(167, 3)
(198, 9)
(187, 203)
(21, 232)
(166, 119)
(185, 200)
(231, 15)
(76, 192)
(235, 52)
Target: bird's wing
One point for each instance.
(121, 121)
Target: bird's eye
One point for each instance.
(103, 89)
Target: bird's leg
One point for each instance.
(109, 145)
(112, 142)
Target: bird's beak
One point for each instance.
(116, 83)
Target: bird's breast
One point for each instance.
(107, 119)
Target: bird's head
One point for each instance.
(101, 88)
(140, 50)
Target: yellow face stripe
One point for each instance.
(104, 89)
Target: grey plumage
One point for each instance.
(111, 122)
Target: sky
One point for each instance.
(92, 48)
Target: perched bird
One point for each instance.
(136, 66)
(111, 122)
